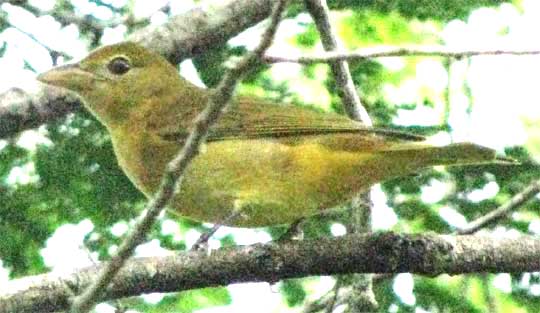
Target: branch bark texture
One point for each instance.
(21, 110)
(357, 253)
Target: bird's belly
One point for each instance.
(269, 182)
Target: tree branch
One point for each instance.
(183, 36)
(390, 51)
(209, 26)
(20, 110)
(356, 253)
(340, 68)
(518, 200)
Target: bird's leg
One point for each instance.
(293, 231)
(204, 237)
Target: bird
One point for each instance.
(271, 163)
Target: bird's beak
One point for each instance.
(69, 76)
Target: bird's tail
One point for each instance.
(453, 154)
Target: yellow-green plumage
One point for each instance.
(275, 163)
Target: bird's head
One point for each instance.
(117, 79)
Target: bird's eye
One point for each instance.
(119, 66)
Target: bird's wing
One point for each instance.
(245, 119)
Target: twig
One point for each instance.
(502, 211)
(335, 293)
(52, 52)
(390, 51)
(489, 295)
(340, 68)
(325, 301)
(107, 5)
(116, 303)
(204, 237)
(176, 168)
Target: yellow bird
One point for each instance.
(274, 163)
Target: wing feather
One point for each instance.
(245, 119)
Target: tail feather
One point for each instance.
(453, 154)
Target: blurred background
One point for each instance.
(65, 204)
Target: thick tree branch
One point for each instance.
(20, 110)
(202, 28)
(182, 37)
(357, 253)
